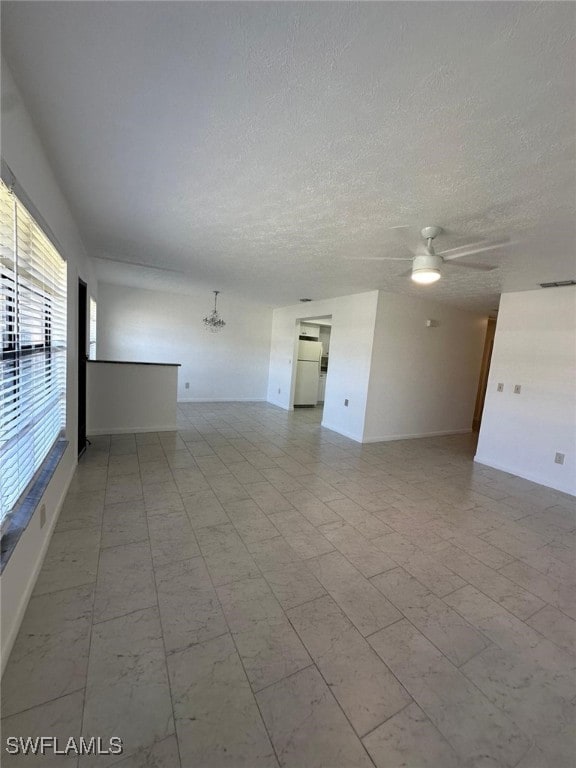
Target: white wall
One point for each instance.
(423, 381)
(535, 346)
(353, 319)
(23, 152)
(153, 326)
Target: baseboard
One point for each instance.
(132, 430)
(222, 400)
(443, 433)
(31, 583)
(349, 435)
(519, 472)
(277, 404)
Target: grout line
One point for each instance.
(163, 642)
(42, 703)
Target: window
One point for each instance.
(92, 343)
(33, 357)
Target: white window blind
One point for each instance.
(92, 342)
(33, 361)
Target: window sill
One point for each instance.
(17, 521)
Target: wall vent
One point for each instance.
(558, 284)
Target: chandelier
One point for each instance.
(213, 322)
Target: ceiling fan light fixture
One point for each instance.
(426, 268)
(426, 276)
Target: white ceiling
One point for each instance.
(256, 147)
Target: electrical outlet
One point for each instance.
(517, 389)
(346, 402)
(187, 385)
(43, 515)
(500, 388)
(559, 458)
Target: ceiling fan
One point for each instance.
(427, 263)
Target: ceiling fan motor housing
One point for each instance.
(426, 261)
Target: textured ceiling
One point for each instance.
(262, 148)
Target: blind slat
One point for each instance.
(33, 352)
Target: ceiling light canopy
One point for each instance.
(426, 268)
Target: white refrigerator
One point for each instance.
(307, 372)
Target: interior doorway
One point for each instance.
(484, 372)
(311, 361)
(82, 347)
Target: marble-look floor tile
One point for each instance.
(190, 481)
(293, 584)
(204, 509)
(410, 740)
(478, 548)
(306, 725)
(228, 490)
(123, 488)
(556, 626)
(217, 719)
(272, 553)
(475, 728)
(514, 598)
(225, 554)
(270, 500)
(321, 489)
(80, 511)
(396, 546)
(539, 700)
(365, 606)
(50, 655)
(363, 685)
(127, 693)
(280, 480)
(162, 496)
(314, 510)
(268, 646)
(557, 593)
(189, 608)
(160, 754)
(124, 523)
(449, 632)
(368, 524)
(430, 572)
(542, 560)
(152, 472)
(123, 465)
(503, 628)
(250, 522)
(514, 540)
(171, 537)
(363, 555)
(303, 537)
(71, 560)
(60, 718)
(125, 581)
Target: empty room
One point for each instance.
(288, 384)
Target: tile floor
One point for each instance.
(256, 591)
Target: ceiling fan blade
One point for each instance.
(449, 255)
(380, 258)
(477, 267)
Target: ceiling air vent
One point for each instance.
(558, 284)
